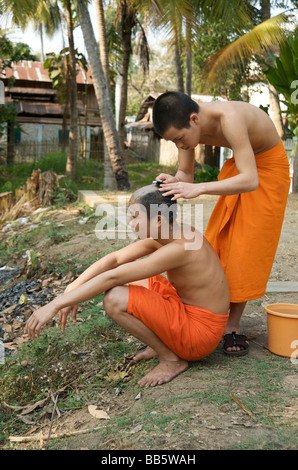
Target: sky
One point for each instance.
(55, 44)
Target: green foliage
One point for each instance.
(89, 175)
(57, 361)
(8, 114)
(23, 52)
(143, 173)
(6, 48)
(211, 39)
(208, 173)
(9, 53)
(58, 235)
(58, 67)
(13, 52)
(283, 76)
(6, 187)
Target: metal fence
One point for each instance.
(32, 151)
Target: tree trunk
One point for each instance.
(66, 104)
(188, 74)
(275, 110)
(41, 42)
(64, 126)
(109, 181)
(273, 95)
(71, 164)
(10, 143)
(177, 62)
(103, 45)
(126, 38)
(103, 99)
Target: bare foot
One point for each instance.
(144, 355)
(236, 348)
(164, 372)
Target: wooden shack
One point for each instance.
(40, 114)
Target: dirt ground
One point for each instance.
(197, 409)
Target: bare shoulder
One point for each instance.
(239, 111)
(244, 125)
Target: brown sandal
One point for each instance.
(233, 339)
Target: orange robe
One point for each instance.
(244, 229)
(190, 332)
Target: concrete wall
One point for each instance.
(168, 153)
(38, 139)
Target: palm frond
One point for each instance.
(169, 15)
(227, 11)
(262, 37)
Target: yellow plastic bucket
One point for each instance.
(282, 323)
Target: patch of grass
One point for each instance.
(57, 235)
(89, 174)
(60, 363)
(84, 362)
(143, 173)
(20, 242)
(283, 439)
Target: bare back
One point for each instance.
(200, 279)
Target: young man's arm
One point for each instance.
(111, 261)
(167, 257)
(185, 170)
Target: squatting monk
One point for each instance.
(180, 316)
(253, 187)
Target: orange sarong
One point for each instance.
(190, 332)
(244, 229)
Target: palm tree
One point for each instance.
(188, 59)
(282, 74)
(40, 13)
(46, 19)
(258, 40)
(126, 17)
(109, 178)
(185, 26)
(273, 94)
(129, 16)
(103, 98)
(183, 19)
(71, 163)
(22, 12)
(176, 38)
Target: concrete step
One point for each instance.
(94, 198)
(282, 286)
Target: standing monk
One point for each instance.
(253, 186)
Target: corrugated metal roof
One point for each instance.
(31, 91)
(35, 71)
(44, 109)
